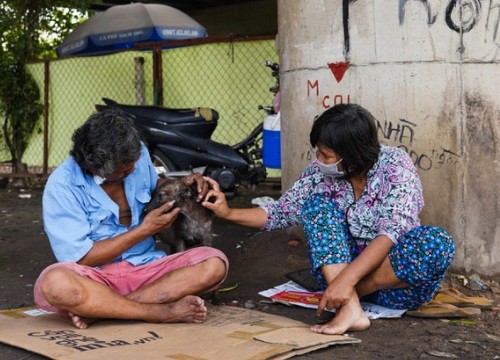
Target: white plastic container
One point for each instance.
(272, 141)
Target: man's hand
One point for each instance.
(160, 219)
(219, 206)
(201, 185)
(156, 221)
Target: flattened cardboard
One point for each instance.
(227, 333)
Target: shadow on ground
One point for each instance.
(258, 261)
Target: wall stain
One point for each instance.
(481, 200)
(480, 115)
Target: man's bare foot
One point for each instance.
(349, 317)
(79, 322)
(189, 309)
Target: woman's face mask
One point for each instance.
(330, 169)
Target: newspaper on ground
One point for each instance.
(291, 293)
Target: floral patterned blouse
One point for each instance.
(389, 205)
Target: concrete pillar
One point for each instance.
(429, 72)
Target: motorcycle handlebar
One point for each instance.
(273, 66)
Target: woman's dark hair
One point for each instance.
(106, 141)
(350, 131)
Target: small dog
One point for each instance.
(193, 226)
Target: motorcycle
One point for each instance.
(179, 142)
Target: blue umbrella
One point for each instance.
(120, 27)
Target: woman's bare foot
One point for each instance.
(349, 317)
(189, 309)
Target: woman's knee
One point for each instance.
(436, 243)
(325, 228)
(60, 288)
(425, 253)
(319, 206)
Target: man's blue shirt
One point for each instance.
(77, 212)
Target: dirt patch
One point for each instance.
(259, 260)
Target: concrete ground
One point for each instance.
(258, 261)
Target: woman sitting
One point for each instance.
(359, 204)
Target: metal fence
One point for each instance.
(224, 73)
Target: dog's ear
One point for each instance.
(164, 196)
(186, 193)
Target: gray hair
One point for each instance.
(106, 141)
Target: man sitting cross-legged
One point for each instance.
(93, 215)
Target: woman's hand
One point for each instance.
(336, 295)
(219, 206)
(160, 219)
(201, 184)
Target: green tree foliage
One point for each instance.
(20, 108)
(29, 30)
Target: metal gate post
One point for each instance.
(157, 75)
(46, 117)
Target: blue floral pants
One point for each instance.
(420, 258)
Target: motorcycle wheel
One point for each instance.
(160, 159)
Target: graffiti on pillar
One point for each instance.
(432, 159)
(431, 18)
(401, 134)
(308, 155)
(461, 16)
(345, 26)
(312, 86)
(402, 131)
(338, 69)
(493, 22)
(327, 100)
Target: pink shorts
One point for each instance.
(125, 278)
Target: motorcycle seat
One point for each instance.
(168, 115)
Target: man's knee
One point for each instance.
(60, 288)
(216, 268)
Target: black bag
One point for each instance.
(305, 279)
